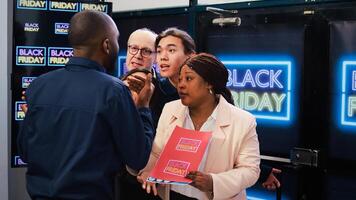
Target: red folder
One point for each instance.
(182, 154)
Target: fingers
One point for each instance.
(276, 171)
(148, 80)
(150, 187)
(136, 83)
(271, 185)
(191, 175)
(138, 77)
(203, 182)
(24, 107)
(144, 185)
(154, 189)
(140, 179)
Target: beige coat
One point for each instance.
(233, 156)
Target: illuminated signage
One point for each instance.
(59, 56)
(30, 55)
(27, 80)
(63, 6)
(19, 113)
(61, 28)
(18, 161)
(122, 65)
(91, 6)
(348, 93)
(32, 4)
(31, 27)
(261, 87)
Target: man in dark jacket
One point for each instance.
(82, 126)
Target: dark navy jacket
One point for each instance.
(164, 92)
(81, 128)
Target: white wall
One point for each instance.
(12, 181)
(4, 101)
(134, 5)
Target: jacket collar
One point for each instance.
(223, 115)
(80, 62)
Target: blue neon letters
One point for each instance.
(348, 94)
(261, 87)
(59, 56)
(30, 55)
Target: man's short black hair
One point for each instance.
(87, 27)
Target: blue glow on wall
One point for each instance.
(263, 86)
(121, 63)
(348, 93)
(257, 193)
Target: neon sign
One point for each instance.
(262, 87)
(18, 161)
(19, 113)
(59, 56)
(30, 55)
(26, 81)
(91, 6)
(121, 62)
(63, 6)
(32, 4)
(31, 27)
(61, 28)
(348, 93)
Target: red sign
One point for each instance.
(182, 154)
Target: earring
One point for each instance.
(210, 91)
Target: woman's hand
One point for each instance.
(200, 180)
(272, 182)
(148, 186)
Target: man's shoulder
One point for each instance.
(110, 79)
(47, 76)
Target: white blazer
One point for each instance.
(233, 156)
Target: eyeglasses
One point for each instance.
(145, 52)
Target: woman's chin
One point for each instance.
(184, 102)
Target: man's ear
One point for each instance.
(106, 46)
